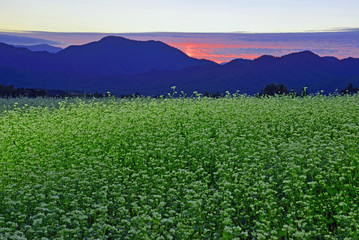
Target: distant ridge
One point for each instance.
(117, 55)
(111, 56)
(125, 66)
(40, 48)
(25, 59)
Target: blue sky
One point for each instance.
(178, 16)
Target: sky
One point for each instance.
(178, 16)
(216, 30)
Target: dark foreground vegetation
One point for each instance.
(12, 92)
(269, 90)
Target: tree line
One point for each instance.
(12, 92)
(269, 90)
(280, 89)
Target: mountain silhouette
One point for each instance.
(124, 66)
(117, 55)
(297, 70)
(111, 56)
(40, 48)
(24, 59)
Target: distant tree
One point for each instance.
(33, 93)
(304, 92)
(98, 95)
(273, 89)
(212, 95)
(7, 91)
(136, 95)
(350, 89)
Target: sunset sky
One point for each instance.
(217, 30)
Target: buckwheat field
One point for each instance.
(237, 167)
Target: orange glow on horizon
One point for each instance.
(189, 49)
(205, 51)
(217, 47)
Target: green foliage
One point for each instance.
(236, 167)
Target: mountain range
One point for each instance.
(124, 66)
(40, 48)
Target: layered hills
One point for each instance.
(40, 48)
(125, 66)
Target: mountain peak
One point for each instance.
(114, 39)
(237, 62)
(115, 55)
(303, 55)
(265, 59)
